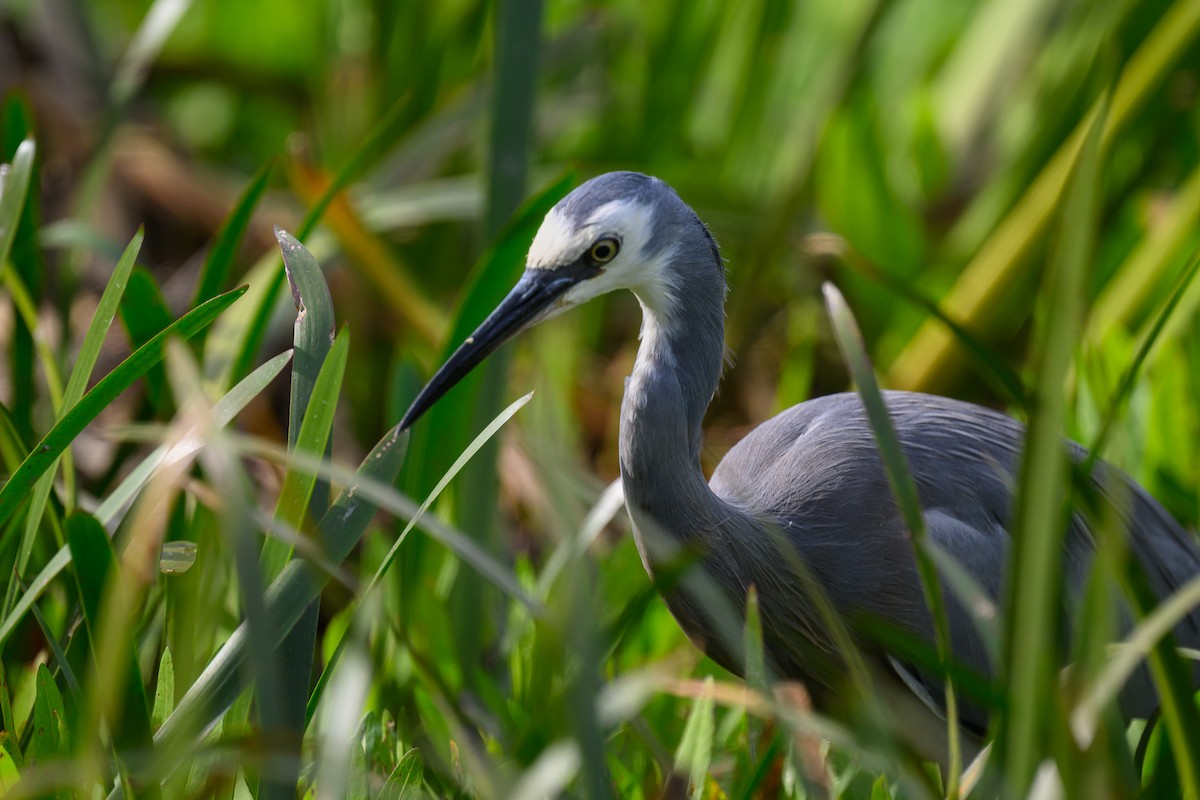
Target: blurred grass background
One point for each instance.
(913, 152)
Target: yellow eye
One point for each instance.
(604, 250)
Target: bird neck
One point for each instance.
(674, 379)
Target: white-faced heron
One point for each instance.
(810, 478)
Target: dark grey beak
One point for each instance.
(525, 304)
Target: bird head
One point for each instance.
(613, 232)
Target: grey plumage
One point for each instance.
(809, 480)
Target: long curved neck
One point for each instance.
(674, 379)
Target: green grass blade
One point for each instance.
(144, 314)
(694, 753)
(50, 739)
(164, 690)
(345, 522)
(89, 351)
(221, 255)
(25, 256)
(27, 311)
(314, 437)
(317, 374)
(904, 489)
(1130, 654)
(994, 273)
(1039, 517)
(145, 46)
(316, 383)
(1117, 402)
(92, 554)
(223, 412)
(15, 183)
(100, 397)
(60, 656)
(479, 562)
(33, 591)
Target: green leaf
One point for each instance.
(89, 351)
(8, 723)
(404, 782)
(14, 184)
(313, 437)
(9, 775)
(222, 413)
(472, 555)
(144, 314)
(50, 740)
(317, 373)
(164, 690)
(287, 598)
(694, 753)
(92, 554)
(100, 397)
(1039, 519)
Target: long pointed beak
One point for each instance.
(528, 303)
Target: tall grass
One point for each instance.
(205, 597)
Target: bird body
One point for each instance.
(805, 493)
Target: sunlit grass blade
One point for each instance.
(144, 313)
(15, 186)
(89, 351)
(994, 272)
(317, 373)
(1129, 379)
(27, 312)
(1130, 653)
(314, 433)
(904, 489)
(695, 748)
(991, 365)
(415, 518)
(1145, 268)
(341, 528)
(164, 690)
(148, 41)
(222, 413)
(100, 397)
(249, 337)
(1040, 516)
(92, 553)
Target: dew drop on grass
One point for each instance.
(177, 557)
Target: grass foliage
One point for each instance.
(205, 597)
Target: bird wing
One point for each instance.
(814, 471)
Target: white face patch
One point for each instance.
(559, 242)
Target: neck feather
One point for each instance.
(675, 377)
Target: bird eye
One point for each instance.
(604, 250)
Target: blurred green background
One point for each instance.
(914, 152)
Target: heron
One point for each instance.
(809, 481)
